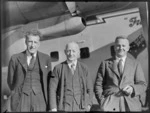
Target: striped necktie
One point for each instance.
(120, 66)
(73, 68)
(32, 61)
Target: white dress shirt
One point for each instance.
(70, 63)
(29, 57)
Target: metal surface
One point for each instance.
(17, 12)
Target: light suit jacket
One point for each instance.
(17, 71)
(108, 83)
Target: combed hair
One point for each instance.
(33, 32)
(121, 37)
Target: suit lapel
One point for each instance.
(42, 65)
(23, 60)
(113, 66)
(127, 67)
(41, 62)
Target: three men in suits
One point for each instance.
(70, 86)
(27, 76)
(120, 80)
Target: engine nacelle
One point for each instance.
(68, 27)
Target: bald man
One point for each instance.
(120, 80)
(70, 85)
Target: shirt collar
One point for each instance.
(70, 63)
(123, 58)
(28, 54)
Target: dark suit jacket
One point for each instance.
(57, 85)
(108, 83)
(16, 73)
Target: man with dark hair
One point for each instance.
(120, 80)
(27, 76)
(70, 86)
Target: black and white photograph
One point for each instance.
(74, 56)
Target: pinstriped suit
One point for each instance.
(57, 89)
(17, 71)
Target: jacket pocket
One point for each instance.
(15, 100)
(102, 100)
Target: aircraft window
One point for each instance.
(54, 56)
(84, 53)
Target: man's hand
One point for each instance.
(128, 90)
(54, 109)
(88, 108)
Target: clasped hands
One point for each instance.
(128, 90)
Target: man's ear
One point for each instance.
(39, 44)
(79, 54)
(65, 52)
(128, 48)
(25, 41)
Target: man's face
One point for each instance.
(72, 52)
(33, 43)
(121, 47)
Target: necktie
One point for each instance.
(32, 61)
(72, 68)
(120, 66)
